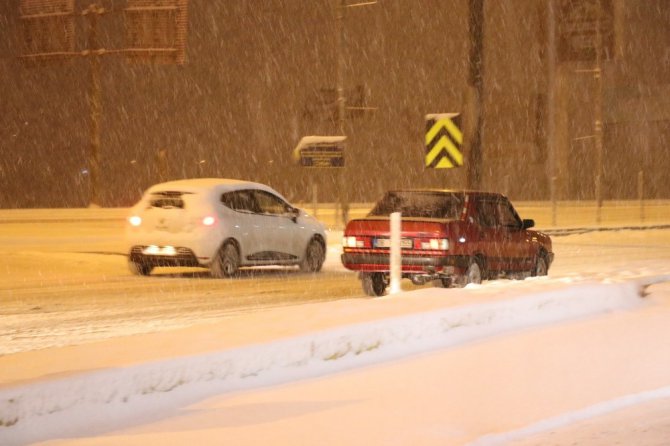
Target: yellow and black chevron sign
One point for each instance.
(444, 140)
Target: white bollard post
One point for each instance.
(395, 257)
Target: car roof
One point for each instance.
(207, 184)
(449, 191)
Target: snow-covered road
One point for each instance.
(61, 294)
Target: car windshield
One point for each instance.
(426, 204)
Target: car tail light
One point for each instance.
(355, 242)
(135, 220)
(208, 220)
(435, 244)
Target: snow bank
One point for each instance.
(123, 394)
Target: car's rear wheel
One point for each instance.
(227, 262)
(139, 267)
(374, 284)
(315, 255)
(473, 274)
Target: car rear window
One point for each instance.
(420, 204)
(167, 199)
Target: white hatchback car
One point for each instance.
(222, 225)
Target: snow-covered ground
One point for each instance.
(578, 357)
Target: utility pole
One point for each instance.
(476, 83)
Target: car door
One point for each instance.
(280, 228)
(486, 218)
(244, 223)
(514, 246)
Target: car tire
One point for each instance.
(227, 262)
(473, 274)
(444, 282)
(139, 266)
(374, 284)
(540, 268)
(315, 255)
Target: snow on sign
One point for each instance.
(320, 151)
(443, 141)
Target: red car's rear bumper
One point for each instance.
(410, 263)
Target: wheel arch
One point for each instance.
(480, 258)
(234, 242)
(543, 254)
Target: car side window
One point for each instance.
(486, 213)
(271, 204)
(507, 216)
(240, 201)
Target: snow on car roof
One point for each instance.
(200, 184)
(448, 191)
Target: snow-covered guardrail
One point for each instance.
(583, 230)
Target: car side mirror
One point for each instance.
(528, 223)
(295, 213)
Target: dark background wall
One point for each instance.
(257, 73)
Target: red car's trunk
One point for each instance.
(380, 227)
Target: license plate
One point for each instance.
(405, 243)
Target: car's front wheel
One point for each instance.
(227, 262)
(315, 255)
(443, 282)
(374, 284)
(540, 268)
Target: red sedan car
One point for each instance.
(452, 237)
